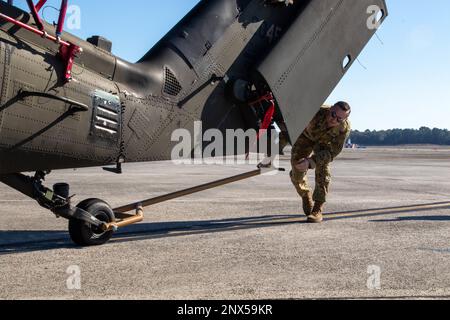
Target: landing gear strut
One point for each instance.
(92, 222)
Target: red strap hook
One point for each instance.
(67, 50)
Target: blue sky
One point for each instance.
(403, 80)
(407, 81)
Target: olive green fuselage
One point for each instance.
(180, 81)
(115, 111)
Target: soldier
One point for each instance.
(325, 136)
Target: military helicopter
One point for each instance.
(69, 103)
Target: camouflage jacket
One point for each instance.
(328, 142)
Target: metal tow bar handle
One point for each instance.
(126, 219)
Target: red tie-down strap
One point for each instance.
(68, 54)
(61, 19)
(67, 50)
(40, 4)
(267, 121)
(35, 13)
(268, 117)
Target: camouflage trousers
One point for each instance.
(302, 149)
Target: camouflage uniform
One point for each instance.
(327, 144)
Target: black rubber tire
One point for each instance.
(85, 234)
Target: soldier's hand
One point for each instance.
(302, 165)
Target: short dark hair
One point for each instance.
(344, 106)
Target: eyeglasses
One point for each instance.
(335, 116)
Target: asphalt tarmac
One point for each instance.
(386, 234)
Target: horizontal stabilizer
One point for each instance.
(315, 53)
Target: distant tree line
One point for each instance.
(401, 137)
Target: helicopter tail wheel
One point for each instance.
(85, 234)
